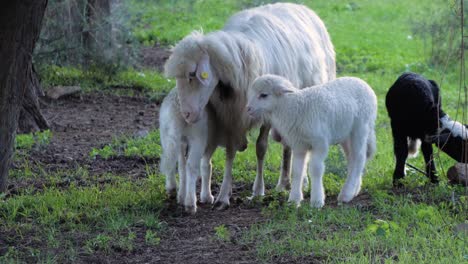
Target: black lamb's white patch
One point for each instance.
(455, 128)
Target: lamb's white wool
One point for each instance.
(284, 39)
(456, 128)
(342, 111)
(413, 147)
(189, 146)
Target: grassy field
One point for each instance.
(374, 40)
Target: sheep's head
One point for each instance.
(195, 77)
(264, 94)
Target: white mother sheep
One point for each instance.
(190, 146)
(342, 111)
(283, 39)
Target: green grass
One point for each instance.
(392, 228)
(148, 146)
(28, 141)
(103, 217)
(374, 41)
(152, 84)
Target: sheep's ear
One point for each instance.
(281, 89)
(434, 84)
(204, 74)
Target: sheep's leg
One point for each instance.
(357, 161)
(350, 162)
(284, 180)
(400, 148)
(316, 170)
(261, 148)
(299, 158)
(206, 170)
(171, 183)
(428, 158)
(222, 201)
(192, 174)
(182, 174)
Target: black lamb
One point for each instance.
(414, 106)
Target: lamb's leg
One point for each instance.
(316, 170)
(222, 201)
(192, 173)
(171, 184)
(400, 148)
(357, 160)
(284, 180)
(205, 195)
(182, 174)
(428, 158)
(261, 148)
(299, 160)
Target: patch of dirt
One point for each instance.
(81, 123)
(155, 57)
(192, 238)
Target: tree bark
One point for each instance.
(97, 38)
(31, 118)
(20, 23)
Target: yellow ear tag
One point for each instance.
(204, 75)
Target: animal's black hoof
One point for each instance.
(220, 206)
(190, 210)
(397, 183)
(171, 194)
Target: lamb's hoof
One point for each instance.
(435, 181)
(345, 197)
(190, 209)
(220, 206)
(295, 204)
(180, 199)
(295, 201)
(357, 191)
(260, 193)
(171, 194)
(207, 199)
(255, 198)
(282, 187)
(317, 203)
(397, 182)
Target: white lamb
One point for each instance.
(342, 111)
(190, 146)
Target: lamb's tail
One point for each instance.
(371, 144)
(413, 147)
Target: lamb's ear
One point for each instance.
(204, 74)
(282, 89)
(434, 84)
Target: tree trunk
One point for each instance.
(31, 118)
(97, 38)
(20, 21)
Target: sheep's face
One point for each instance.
(265, 93)
(195, 78)
(195, 84)
(260, 103)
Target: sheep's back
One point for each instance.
(412, 105)
(292, 39)
(335, 108)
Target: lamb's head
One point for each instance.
(195, 76)
(265, 94)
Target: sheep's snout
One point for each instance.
(251, 110)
